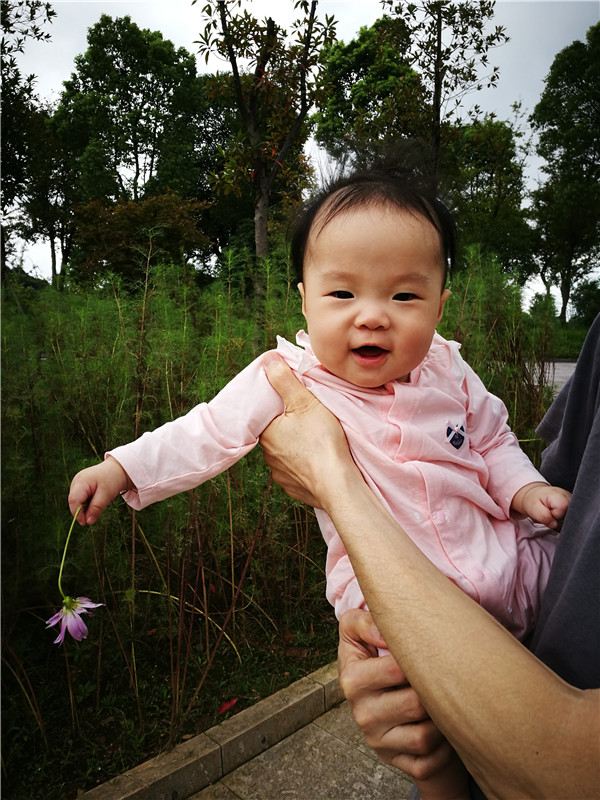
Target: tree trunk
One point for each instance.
(261, 232)
(53, 262)
(261, 216)
(3, 253)
(565, 293)
(438, 80)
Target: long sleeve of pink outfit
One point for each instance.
(437, 451)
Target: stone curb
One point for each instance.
(193, 765)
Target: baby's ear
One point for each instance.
(445, 295)
(303, 296)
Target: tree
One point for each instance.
(134, 121)
(231, 173)
(125, 236)
(21, 20)
(273, 100)
(49, 194)
(131, 93)
(192, 155)
(565, 233)
(483, 180)
(566, 208)
(448, 42)
(585, 301)
(373, 96)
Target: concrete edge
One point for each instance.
(193, 765)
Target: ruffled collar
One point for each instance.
(301, 358)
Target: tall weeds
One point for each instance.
(212, 595)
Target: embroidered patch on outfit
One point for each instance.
(455, 435)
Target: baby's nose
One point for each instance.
(372, 316)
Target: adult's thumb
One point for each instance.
(285, 383)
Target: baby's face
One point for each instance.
(372, 293)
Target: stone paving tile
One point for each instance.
(313, 764)
(340, 722)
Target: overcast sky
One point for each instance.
(538, 30)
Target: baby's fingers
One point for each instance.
(95, 487)
(554, 507)
(80, 494)
(558, 507)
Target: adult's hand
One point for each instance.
(385, 707)
(304, 442)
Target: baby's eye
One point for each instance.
(341, 294)
(405, 296)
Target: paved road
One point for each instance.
(562, 372)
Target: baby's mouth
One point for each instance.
(369, 351)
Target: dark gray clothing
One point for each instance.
(567, 636)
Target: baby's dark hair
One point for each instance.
(371, 188)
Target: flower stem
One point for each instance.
(62, 563)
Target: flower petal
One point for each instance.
(56, 618)
(87, 603)
(63, 629)
(76, 626)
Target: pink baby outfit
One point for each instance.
(436, 450)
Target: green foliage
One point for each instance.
(482, 177)
(566, 208)
(124, 236)
(390, 84)
(21, 20)
(120, 107)
(543, 306)
(568, 340)
(373, 96)
(567, 113)
(134, 125)
(448, 40)
(586, 301)
(449, 44)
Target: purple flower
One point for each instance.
(70, 618)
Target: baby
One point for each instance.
(371, 254)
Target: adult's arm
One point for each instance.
(520, 730)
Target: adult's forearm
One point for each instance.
(520, 730)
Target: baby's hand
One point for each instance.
(95, 487)
(542, 503)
